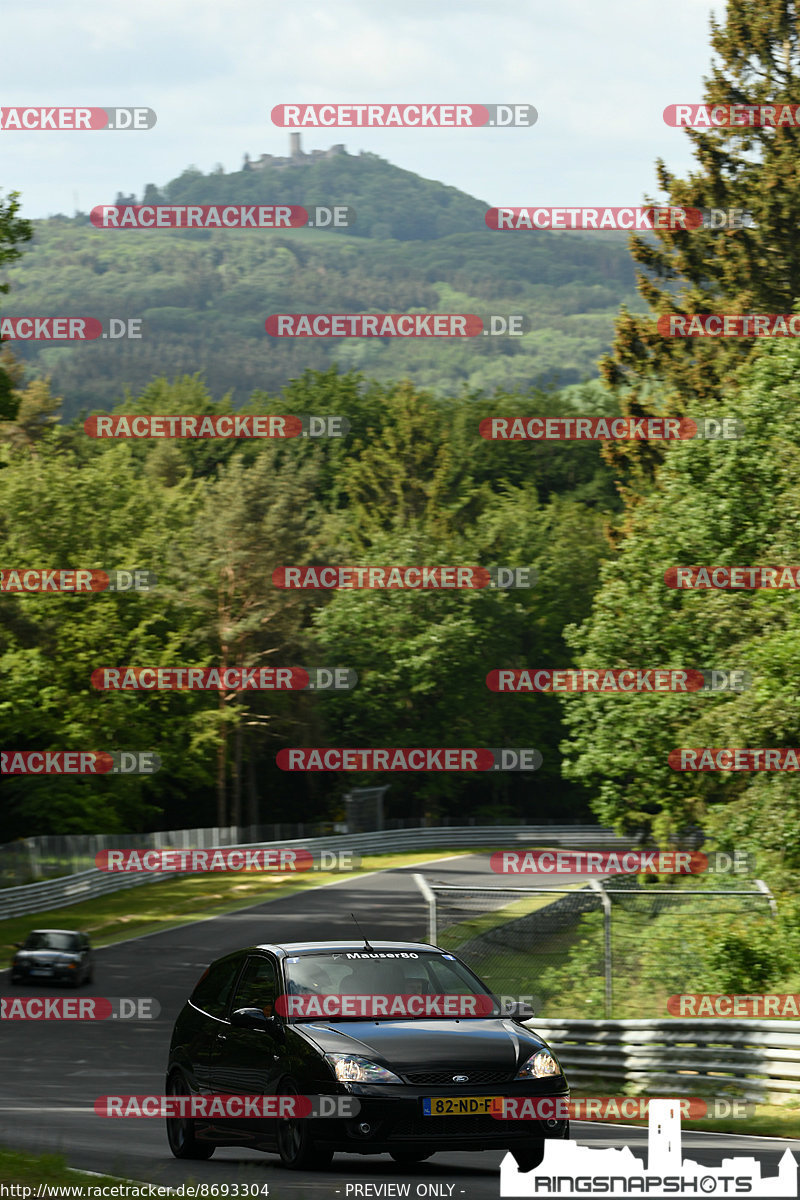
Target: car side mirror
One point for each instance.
(18, 945)
(251, 1018)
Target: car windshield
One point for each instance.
(49, 940)
(354, 985)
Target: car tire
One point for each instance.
(180, 1130)
(297, 1149)
(531, 1156)
(407, 1156)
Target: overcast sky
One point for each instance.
(599, 72)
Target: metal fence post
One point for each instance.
(429, 896)
(596, 886)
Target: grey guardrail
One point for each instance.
(753, 1060)
(84, 885)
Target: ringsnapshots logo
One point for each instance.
(330, 578)
(75, 580)
(620, 862)
(79, 762)
(403, 116)
(395, 325)
(618, 681)
(223, 425)
(732, 578)
(222, 216)
(83, 1008)
(734, 758)
(588, 429)
(69, 329)
(427, 758)
(76, 118)
(259, 859)
(229, 679)
(570, 1170)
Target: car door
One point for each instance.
(248, 1062)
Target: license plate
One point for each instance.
(457, 1106)
(43, 971)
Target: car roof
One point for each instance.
(285, 948)
(30, 931)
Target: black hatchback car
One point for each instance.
(422, 1083)
(53, 956)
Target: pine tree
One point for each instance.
(741, 270)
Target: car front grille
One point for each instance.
(445, 1078)
(461, 1127)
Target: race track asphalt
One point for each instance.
(51, 1072)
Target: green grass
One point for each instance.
(150, 908)
(32, 1171)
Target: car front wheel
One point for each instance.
(180, 1130)
(297, 1148)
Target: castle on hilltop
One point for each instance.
(297, 156)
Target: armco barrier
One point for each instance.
(56, 893)
(753, 1060)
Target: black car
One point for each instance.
(55, 956)
(422, 1084)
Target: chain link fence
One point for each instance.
(616, 949)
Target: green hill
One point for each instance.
(203, 295)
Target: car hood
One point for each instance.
(428, 1045)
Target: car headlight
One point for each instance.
(352, 1068)
(539, 1066)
